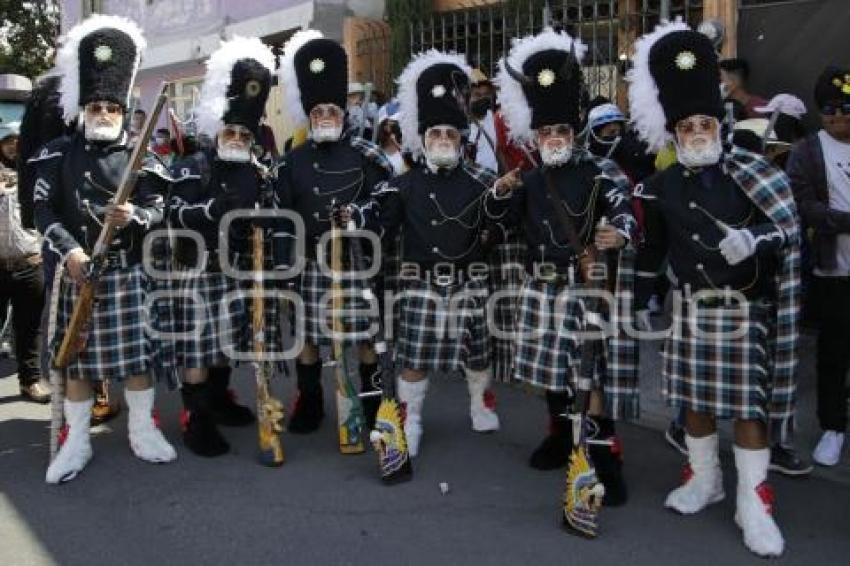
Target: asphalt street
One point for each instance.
(325, 508)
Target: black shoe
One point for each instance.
(675, 437)
(200, 434)
(606, 453)
(309, 407)
(223, 407)
(554, 451)
(784, 459)
(369, 373)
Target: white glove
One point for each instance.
(737, 246)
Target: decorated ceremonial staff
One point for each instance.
(207, 187)
(322, 181)
(559, 207)
(727, 224)
(78, 207)
(438, 208)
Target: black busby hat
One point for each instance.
(98, 60)
(432, 90)
(541, 83)
(313, 70)
(832, 86)
(236, 85)
(675, 75)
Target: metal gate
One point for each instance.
(484, 32)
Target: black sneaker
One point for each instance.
(784, 459)
(675, 437)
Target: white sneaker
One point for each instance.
(412, 394)
(481, 401)
(146, 440)
(828, 450)
(703, 479)
(754, 508)
(76, 451)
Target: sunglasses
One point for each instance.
(325, 111)
(697, 126)
(436, 133)
(98, 107)
(557, 130)
(832, 109)
(231, 134)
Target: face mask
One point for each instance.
(441, 157)
(700, 156)
(481, 106)
(326, 133)
(235, 153)
(98, 128)
(554, 157)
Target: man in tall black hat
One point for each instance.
(541, 88)
(76, 179)
(322, 181)
(437, 207)
(206, 187)
(727, 223)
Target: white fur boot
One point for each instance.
(146, 440)
(412, 394)
(481, 401)
(76, 451)
(703, 479)
(755, 503)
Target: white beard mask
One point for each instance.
(326, 133)
(701, 156)
(557, 156)
(99, 130)
(234, 153)
(441, 157)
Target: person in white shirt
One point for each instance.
(482, 127)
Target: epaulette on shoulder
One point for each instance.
(187, 169)
(51, 150)
(372, 152)
(154, 165)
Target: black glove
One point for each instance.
(224, 203)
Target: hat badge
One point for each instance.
(438, 91)
(317, 66)
(843, 85)
(686, 60)
(546, 77)
(252, 89)
(103, 53)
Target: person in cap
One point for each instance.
(819, 168)
(437, 208)
(76, 178)
(727, 223)
(206, 188)
(326, 179)
(734, 85)
(482, 130)
(607, 135)
(540, 94)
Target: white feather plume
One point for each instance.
(68, 58)
(408, 100)
(514, 104)
(213, 102)
(647, 114)
(289, 78)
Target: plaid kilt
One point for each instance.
(507, 273)
(430, 338)
(118, 345)
(719, 373)
(204, 334)
(545, 356)
(315, 290)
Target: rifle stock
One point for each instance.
(74, 339)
